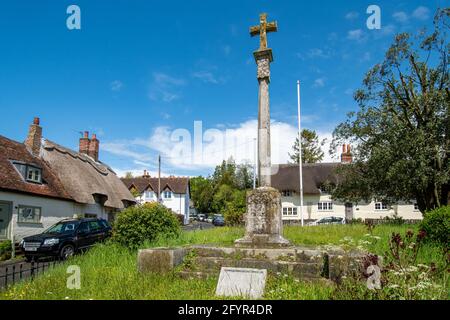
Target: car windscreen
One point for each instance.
(63, 227)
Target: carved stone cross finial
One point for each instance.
(262, 29)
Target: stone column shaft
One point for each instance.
(263, 59)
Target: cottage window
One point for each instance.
(149, 194)
(28, 214)
(380, 206)
(167, 194)
(289, 211)
(325, 206)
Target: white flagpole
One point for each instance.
(300, 152)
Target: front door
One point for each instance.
(5, 217)
(348, 211)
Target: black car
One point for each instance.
(218, 221)
(65, 238)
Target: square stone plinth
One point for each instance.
(159, 260)
(263, 224)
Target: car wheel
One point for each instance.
(66, 252)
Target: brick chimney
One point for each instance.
(90, 146)
(146, 174)
(34, 138)
(94, 146)
(346, 156)
(84, 143)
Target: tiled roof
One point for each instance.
(176, 184)
(12, 180)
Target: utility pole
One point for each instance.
(159, 178)
(300, 152)
(254, 163)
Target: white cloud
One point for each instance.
(116, 85)
(356, 35)
(421, 13)
(206, 76)
(165, 87)
(351, 15)
(180, 153)
(400, 16)
(319, 82)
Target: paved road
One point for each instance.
(197, 225)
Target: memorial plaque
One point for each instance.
(245, 282)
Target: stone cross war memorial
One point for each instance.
(244, 266)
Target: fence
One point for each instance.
(13, 273)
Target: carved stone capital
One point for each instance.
(263, 59)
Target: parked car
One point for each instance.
(328, 220)
(65, 238)
(209, 219)
(218, 221)
(201, 217)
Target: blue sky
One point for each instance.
(139, 70)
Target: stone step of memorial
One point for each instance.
(294, 254)
(296, 269)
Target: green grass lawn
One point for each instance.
(108, 271)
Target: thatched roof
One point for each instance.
(314, 175)
(175, 184)
(83, 178)
(12, 180)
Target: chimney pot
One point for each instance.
(36, 121)
(94, 136)
(86, 134)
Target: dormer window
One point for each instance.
(167, 194)
(30, 173)
(34, 174)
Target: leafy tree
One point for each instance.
(223, 195)
(311, 148)
(401, 132)
(135, 192)
(225, 173)
(244, 176)
(201, 193)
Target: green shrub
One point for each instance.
(148, 222)
(5, 250)
(436, 224)
(233, 215)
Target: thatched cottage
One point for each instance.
(42, 182)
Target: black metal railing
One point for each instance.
(13, 273)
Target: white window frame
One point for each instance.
(167, 192)
(290, 211)
(325, 206)
(149, 194)
(382, 206)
